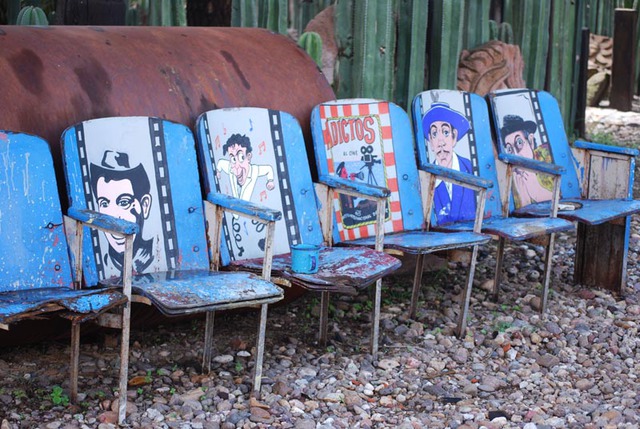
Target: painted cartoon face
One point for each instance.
(442, 139)
(240, 163)
(517, 144)
(116, 199)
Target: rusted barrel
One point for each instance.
(53, 77)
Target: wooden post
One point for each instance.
(624, 59)
(581, 107)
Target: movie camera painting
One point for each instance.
(359, 146)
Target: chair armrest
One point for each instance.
(532, 164)
(245, 208)
(618, 150)
(102, 221)
(363, 190)
(459, 177)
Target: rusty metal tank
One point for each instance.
(53, 77)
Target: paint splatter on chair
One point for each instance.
(143, 171)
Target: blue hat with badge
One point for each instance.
(442, 112)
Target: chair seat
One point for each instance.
(341, 269)
(25, 303)
(422, 242)
(514, 228)
(592, 212)
(183, 292)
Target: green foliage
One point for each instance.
(31, 15)
(58, 397)
(312, 44)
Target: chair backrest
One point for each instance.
(453, 130)
(369, 141)
(33, 246)
(259, 155)
(144, 170)
(529, 123)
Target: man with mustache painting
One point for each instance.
(444, 128)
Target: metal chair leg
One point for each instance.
(324, 318)
(417, 282)
(462, 320)
(124, 362)
(547, 273)
(75, 356)
(208, 342)
(375, 327)
(257, 377)
(498, 274)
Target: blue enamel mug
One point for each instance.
(305, 258)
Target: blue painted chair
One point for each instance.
(464, 117)
(259, 155)
(366, 145)
(597, 182)
(37, 279)
(143, 171)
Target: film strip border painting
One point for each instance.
(163, 183)
(332, 112)
(84, 166)
(226, 236)
(542, 127)
(286, 194)
(161, 178)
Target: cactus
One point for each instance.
(305, 11)
(312, 43)
(343, 21)
(534, 42)
(477, 23)
(157, 12)
(13, 9)
(446, 43)
(412, 39)
(271, 14)
(502, 32)
(374, 48)
(30, 15)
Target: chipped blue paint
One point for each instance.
(183, 292)
(514, 228)
(103, 221)
(35, 275)
(420, 242)
(591, 212)
(344, 269)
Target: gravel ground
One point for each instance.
(576, 367)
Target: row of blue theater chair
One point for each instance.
(139, 230)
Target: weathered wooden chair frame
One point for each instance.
(412, 241)
(604, 199)
(68, 303)
(213, 209)
(332, 277)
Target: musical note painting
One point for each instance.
(243, 152)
